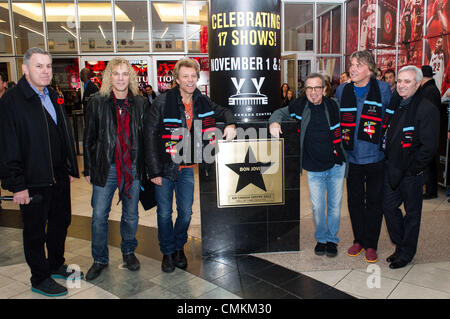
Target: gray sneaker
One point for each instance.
(64, 273)
(95, 271)
(50, 288)
(131, 262)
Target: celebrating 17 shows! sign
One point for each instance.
(244, 53)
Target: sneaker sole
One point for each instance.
(168, 271)
(370, 261)
(132, 268)
(48, 295)
(348, 254)
(67, 278)
(320, 253)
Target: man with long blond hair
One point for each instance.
(114, 159)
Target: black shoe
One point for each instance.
(95, 271)
(391, 258)
(429, 196)
(331, 249)
(398, 263)
(320, 249)
(131, 262)
(64, 273)
(50, 288)
(180, 259)
(168, 263)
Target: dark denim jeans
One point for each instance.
(173, 237)
(101, 204)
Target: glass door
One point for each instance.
(8, 67)
(305, 65)
(289, 71)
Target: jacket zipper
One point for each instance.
(49, 145)
(68, 137)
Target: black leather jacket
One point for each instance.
(155, 162)
(100, 136)
(25, 151)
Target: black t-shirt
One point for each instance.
(318, 153)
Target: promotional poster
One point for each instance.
(437, 37)
(165, 78)
(352, 27)
(387, 29)
(368, 24)
(244, 52)
(336, 31)
(324, 33)
(410, 53)
(140, 66)
(386, 58)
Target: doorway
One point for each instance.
(8, 67)
(294, 70)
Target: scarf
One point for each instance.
(399, 158)
(370, 124)
(175, 119)
(296, 110)
(123, 145)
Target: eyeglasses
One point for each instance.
(314, 88)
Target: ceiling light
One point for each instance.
(61, 12)
(101, 30)
(29, 29)
(173, 12)
(164, 33)
(70, 32)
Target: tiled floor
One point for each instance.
(219, 277)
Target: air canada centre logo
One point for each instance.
(255, 98)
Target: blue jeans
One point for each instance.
(173, 237)
(101, 204)
(325, 190)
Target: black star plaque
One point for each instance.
(250, 171)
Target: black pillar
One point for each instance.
(244, 52)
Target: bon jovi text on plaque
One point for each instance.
(250, 172)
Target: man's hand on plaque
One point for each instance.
(229, 132)
(275, 129)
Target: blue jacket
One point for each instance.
(364, 152)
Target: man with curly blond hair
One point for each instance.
(114, 159)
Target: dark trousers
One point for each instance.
(45, 224)
(364, 193)
(404, 230)
(431, 176)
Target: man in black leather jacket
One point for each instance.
(114, 159)
(173, 121)
(38, 160)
